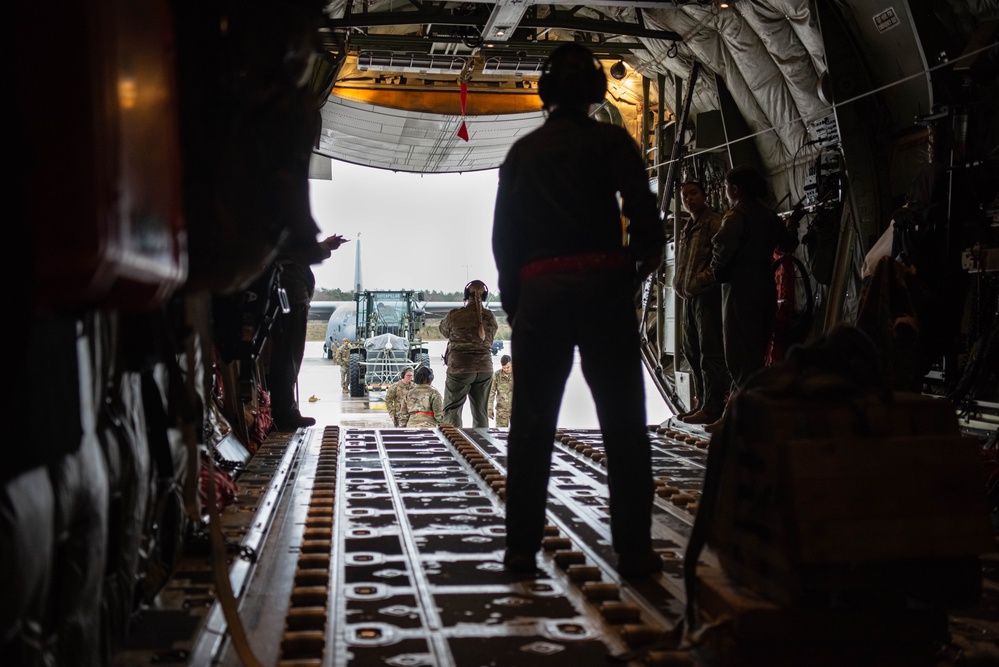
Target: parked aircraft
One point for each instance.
(340, 325)
(342, 321)
(323, 310)
(174, 166)
(341, 316)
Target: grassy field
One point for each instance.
(317, 329)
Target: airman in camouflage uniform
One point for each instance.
(395, 395)
(422, 405)
(343, 358)
(470, 331)
(501, 392)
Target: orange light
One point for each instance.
(128, 93)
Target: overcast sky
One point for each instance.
(429, 232)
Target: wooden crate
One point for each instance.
(750, 630)
(869, 499)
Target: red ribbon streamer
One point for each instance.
(463, 131)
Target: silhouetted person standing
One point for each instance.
(287, 339)
(558, 240)
(470, 331)
(742, 261)
(702, 323)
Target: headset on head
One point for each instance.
(573, 75)
(468, 289)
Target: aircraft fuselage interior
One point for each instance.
(846, 512)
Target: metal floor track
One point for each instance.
(366, 546)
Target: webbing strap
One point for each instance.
(220, 566)
(223, 587)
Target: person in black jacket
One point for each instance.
(560, 246)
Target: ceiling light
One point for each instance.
(618, 70)
(503, 19)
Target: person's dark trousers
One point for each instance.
(554, 317)
(749, 315)
(287, 344)
(476, 387)
(704, 348)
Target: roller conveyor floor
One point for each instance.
(414, 564)
(370, 546)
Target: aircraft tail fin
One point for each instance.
(357, 265)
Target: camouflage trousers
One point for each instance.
(345, 377)
(502, 418)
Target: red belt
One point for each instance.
(587, 262)
(424, 413)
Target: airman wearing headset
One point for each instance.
(422, 405)
(557, 240)
(469, 331)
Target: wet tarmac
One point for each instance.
(320, 378)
